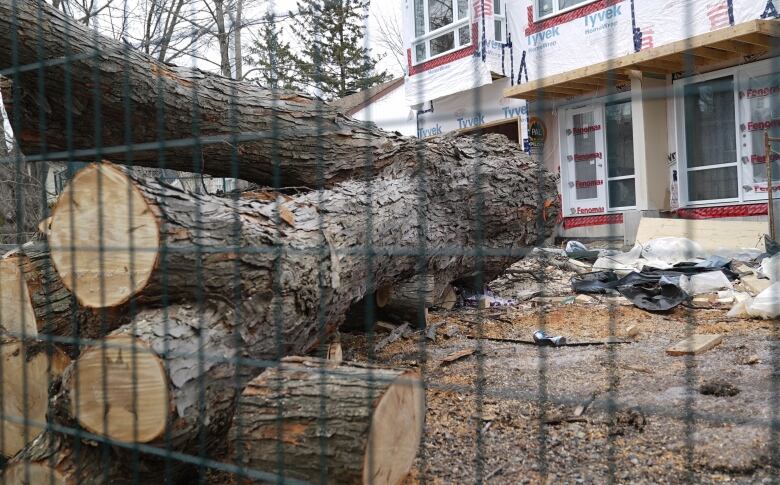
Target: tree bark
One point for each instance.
(246, 131)
(299, 260)
(371, 434)
(169, 379)
(33, 294)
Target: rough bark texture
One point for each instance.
(408, 298)
(197, 347)
(298, 264)
(56, 311)
(311, 143)
(283, 410)
(59, 459)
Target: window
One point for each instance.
(597, 163)
(499, 21)
(440, 26)
(621, 185)
(549, 8)
(710, 140)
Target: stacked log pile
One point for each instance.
(170, 302)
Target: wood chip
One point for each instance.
(286, 215)
(694, 345)
(461, 354)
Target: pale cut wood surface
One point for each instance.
(695, 344)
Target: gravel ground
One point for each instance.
(507, 413)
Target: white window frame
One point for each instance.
(562, 150)
(557, 11)
(682, 152)
(500, 18)
(453, 27)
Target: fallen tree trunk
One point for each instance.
(299, 260)
(168, 379)
(371, 435)
(245, 131)
(33, 295)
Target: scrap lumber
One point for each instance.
(695, 344)
(711, 234)
(28, 369)
(374, 422)
(176, 246)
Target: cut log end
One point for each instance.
(106, 219)
(396, 430)
(26, 473)
(16, 311)
(364, 444)
(121, 391)
(26, 375)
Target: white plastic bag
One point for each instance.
(741, 303)
(673, 250)
(767, 304)
(622, 264)
(770, 268)
(709, 282)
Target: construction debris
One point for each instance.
(695, 344)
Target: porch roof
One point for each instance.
(687, 55)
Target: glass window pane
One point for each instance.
(464, 35)
(419, 52)
(716, 183)
(762, 103)
(419, 18)
(622, 193)
(442, 43)
(499, 27)
(439, 14)
(545, 7)
(497, 7)
(570, 3)
(585, 173)
(620, 140)
(709, 123)
(463, 9)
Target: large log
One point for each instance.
(34, 302)
(104, 89)
(27, 370)
(347, 424)
(169, 378)
(298, 262)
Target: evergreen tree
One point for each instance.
(271, 58)
(332, 57)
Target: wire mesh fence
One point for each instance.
(213, 279)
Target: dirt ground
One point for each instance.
(508, 413)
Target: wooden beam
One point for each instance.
(710, 53)
(758, 39)
(735, 47)
(754, 31)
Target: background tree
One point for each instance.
(271, 56)
(333, 58)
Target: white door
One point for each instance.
(584, 162)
